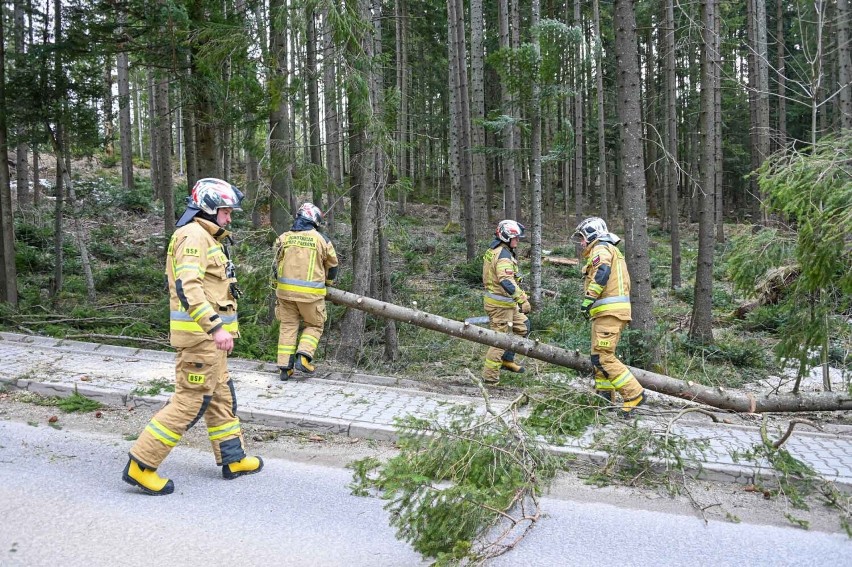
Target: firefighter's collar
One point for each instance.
(214, 229)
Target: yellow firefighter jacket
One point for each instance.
(499, 276)
(605, 279)
(200, 277)
(303, 259)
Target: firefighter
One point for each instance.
(505, 302)
(203, 296)
(305, 263)
(606, 301)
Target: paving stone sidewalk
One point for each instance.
(358, 405)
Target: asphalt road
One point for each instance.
(62, 502)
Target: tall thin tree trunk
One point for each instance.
(762, 60)
(602, 177)
(701, 324)
(154, 135)
(633, 171)
(477, 112)
(782, 73)
(8, 273)
(313, 99)
(332, 124)
(579, 189)
(362, 195)
(672, 164)
(109, 118)
(22, 151)
(164, 153)
(844, 63)
(510, 190)
(281, 186)
(455, 148)
(125, 128)
(402, 79)
(187, 116)
(535, 161)
(463, 102)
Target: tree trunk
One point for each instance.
(8, 273)
(109, 135)
(602, 177)
(715, 397)
(154, 130)
(164, 153)
(454, 149)
(762, 60)
(535, 160)
(313, 100)
(672, 164)
(79, 231)
(844, 63)
(510, 190)
(332, 124)
(362, 195)
(464, 150)
(281, 162)
(633, 171)
(579, 189)
(402, 78)
(188, 123)
(25, 197)
(477, 113)
(701, 324)
(125, 128)
(782, 73)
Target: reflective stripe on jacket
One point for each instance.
(499, 264)
(613, 298)
(303, 259)
(200, 299)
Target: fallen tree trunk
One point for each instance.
(717, 397)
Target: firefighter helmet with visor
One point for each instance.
(210, 194)
(509, 229)
(310, 213)
(590, 230)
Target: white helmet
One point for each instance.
(210, 194)
(509, 229)
(590, 230)
(310, 213)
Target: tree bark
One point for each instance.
(717, 397)
(579, 188)
(844, 63)
(463, 102)
(79, 231)
(8, 274)
(281, 185)
(535, 161)
(602, 177)
(164, 153)
(332, 124)
(402, 79)
(672, 164)
(477, 113)
(510, 190)
(125, 128)
(701, 324)
(362, 194)
(313, 99)
(22, 176)
(633, 168)
(781, 74)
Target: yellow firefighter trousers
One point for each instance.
(202, 387)
(290, 313)
(611, 373)
(499, 319)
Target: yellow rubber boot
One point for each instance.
(512, 366)
(147, 479)
(628, 406)
(303, 363)
(248, 465)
